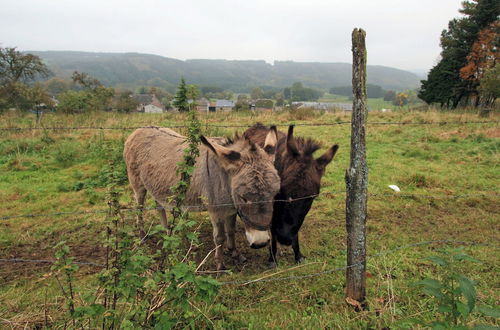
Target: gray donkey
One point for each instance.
(231, 177)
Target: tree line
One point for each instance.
(22, 86)
(467, 73)
(26, 84)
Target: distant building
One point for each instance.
(211, 107)
(223, 105)
(148, 103)
(202, 105)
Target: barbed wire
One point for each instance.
(205, 206)
(129, 209)
(333, 270)
(38, 261)
(268, 277)
(245, 126)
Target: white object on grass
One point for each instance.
(394, 187)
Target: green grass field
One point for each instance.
(373, 103)
(448, 174)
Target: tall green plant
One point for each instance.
(186, 167)
(141, 287)
(454, 293)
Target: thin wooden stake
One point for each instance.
(357, 177)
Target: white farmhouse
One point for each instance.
(148, 103)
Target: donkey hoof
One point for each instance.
(221, 267)
(241, 259)
(238, 257)
(300, 259)
(272, 264)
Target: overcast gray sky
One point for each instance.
(402, 34)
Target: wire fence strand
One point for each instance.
(404, 123)
(333, 270)
(269, 277)
(46, 261)
(205, 206)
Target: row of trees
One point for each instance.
(467, 73)
(401, 98)
(297, 92)
(21, 87)
(373, 91)
(267, 97)
(83, 93)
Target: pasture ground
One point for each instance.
(449, 171)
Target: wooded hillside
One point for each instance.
(134, 69)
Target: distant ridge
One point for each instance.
(136, 69)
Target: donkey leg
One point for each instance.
(299, 258)
(218, 231)
(273, 261)
(140, 196)
(230, 227)
(163, 214)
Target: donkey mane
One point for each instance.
(295, 170)
(229, 140)
(306, 146)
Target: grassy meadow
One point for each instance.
(448, 175)
(373, 103)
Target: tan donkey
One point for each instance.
(230, 177)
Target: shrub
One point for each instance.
(454, 293)
(66, 153)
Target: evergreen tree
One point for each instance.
(181, 97)
(444, 84)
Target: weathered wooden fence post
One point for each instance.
(357, 177)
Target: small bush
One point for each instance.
(46, 138)
(66, 154)
(63, 187)
(93, 197)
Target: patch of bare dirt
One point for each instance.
(27, 261)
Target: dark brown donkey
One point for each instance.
(300, 175)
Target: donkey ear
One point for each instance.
(327, 157)
(221, 151)
(271, 141)
(291, 146)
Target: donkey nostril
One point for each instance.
(260, 245)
